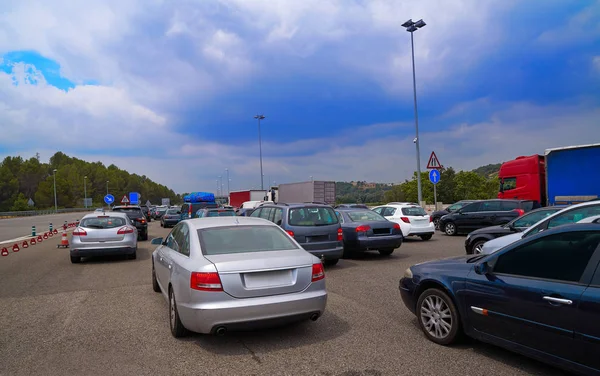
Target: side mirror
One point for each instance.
(483, 268)
(157, 241)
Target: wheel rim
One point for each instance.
(478, 248)
(436, 224)
(450, 228)
(172, 309)
(436, 317)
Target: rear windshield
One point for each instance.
(103, 222)
(161, 210)
(220, 213)
(244, 239)
(131, 212)
(201, 205)
(365, 215)
(414, 210)
(318, 216)
(172, 211)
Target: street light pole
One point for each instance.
(55, 201)
(259, 118)
(107, 186)
(411, 27)
(228, 180)
(85, 191)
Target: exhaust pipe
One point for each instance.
(314, 316)
(220, 331)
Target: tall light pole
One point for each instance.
(85, 191)
(228, 180)
(259, 118)
(217, 187)
(107, 186)
(55, 201)
(411, 27)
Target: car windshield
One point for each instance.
(244, 239)
(161, 210)
(312, 216)
(414, 210)
(365, 215)
(131, 212)
(172, 211)
(102, 222)
(220, 213)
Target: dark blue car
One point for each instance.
(539, 296)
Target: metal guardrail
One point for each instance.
(31, 213)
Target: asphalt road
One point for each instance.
(102, 318)
(11, 228)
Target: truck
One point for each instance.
(562, 176)
(309, 191)
(237, 198)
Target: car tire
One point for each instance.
(348, 252)
(436, 223)
(132, 256)
(476, 248)
(426, 237)
(155, 285)
(438, 317)
(331, 262)
(162, 224)
(450, 229)
(386, 251)
(177, 328)
(75, 259)
(145, 235)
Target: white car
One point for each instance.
(571, 214)
(413, 219)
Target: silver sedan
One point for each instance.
(103, 234)
(235, 273)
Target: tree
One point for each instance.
(20, 203)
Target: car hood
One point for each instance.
(491, 230)
(439, 213)
(493, 245)
(456, 266)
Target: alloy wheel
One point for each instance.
(436, 317)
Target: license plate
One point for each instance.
(273, 278)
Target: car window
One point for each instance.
(220, 213)
(454, 207)
(312, 216)
(256, 213)
(529, 205)
(183, 240)
(414, 211)
(509, 183)
(131, 212)
(488, 206)
(103, 222)
(561, 257)
(341, 217)
(389, 211)
(244, 239)
(531, 219)
(172, 239)
(509, 205)
(364, 215)
(378, 210)
(277, 216)
(471, 208)
(265, 213)
(172, 211)
(573, 216)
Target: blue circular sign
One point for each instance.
(434, 176)
(109, 199)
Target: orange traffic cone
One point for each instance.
(64, 242)
(4, 251)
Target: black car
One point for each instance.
(364, 230)
(485, 213)
(136, 214)
(476, 239)
(539, 297)
(146, 211)
(436, 215)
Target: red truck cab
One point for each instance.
(523, 178)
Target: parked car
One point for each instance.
(189, 209)
(355, 206)
(215, 212)
(137, 217)
(413, 219)
(485, 213)
(365, 230)
(314, 226)
(170, 218)
(436, 215)
(476, 239)
(227, 273)
(103, 234)
(538, 296)
(568, 215)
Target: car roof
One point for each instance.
(298, 204)
(345, 208)
(103, 214)
(570, 227)
(402, 205)
(212, 222)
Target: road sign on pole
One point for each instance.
(434, 177)
(109, 199)
(434, 162)
(124, 200)
(134, 198)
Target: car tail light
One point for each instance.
(317, 272)
(206, 281)
(190, 212)
(125, 230)
(363, 228)
(79, 232)
(340, 235)
(142, 220)
(405, 219)
(520, 211)
(396, 226)
(290, 233)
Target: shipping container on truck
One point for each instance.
(237, 198)
(309, 191)
(562, 176)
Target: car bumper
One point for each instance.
(251, 313)
(170, 221)
(379, 242)
(407, 292)
(104, 251)
(327, 254)
(426, 230)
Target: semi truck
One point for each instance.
(309, 191)
(562, 176)
(237, 198)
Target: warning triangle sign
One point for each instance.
(124, 200)
(434, 162)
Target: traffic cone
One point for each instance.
(4, 251)
(39, 238)
(33, 241)
(25, 245)
(55, 231)
(64, 242)
(45, 235)
(50, 234)
(15, 248)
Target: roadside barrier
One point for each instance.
(50, 227)
(32, 230)
(64, 241)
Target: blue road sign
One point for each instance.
(134, 198)
(109, 199)
(434, 176)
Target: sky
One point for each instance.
(169, 88)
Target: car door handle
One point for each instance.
(558, 300)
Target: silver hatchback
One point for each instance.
(104, 234)
(235, 273)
